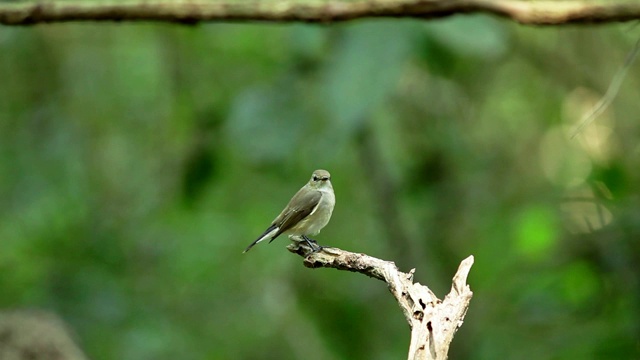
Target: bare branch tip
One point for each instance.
(459, 284)
(410, 274)
(468, 261)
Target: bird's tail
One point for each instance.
(271, 231)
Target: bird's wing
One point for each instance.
(306, 202)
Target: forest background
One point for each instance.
(137, 161)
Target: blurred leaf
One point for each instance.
(199, 169)
(266, 123)
(308, 42)
(580, 284)
(536, 232)
(440, 59)
(615, 179)
(364, 67)
(476, 36)
(564, 163)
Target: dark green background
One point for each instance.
(137, 161)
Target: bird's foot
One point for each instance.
(312, 244)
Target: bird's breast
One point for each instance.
(322, 214)
(319, 218)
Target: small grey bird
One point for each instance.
(308, 211)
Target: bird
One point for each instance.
(308, 211)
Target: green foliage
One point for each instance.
(535, 235)
(138, 161)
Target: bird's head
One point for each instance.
(320, 179)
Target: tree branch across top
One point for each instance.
(317, 11)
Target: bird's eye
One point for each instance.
(315, 178)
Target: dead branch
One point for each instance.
(547, 12)
(433, 322)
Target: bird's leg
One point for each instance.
(312, 243)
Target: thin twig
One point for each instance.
(611, 93)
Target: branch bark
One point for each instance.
(546, 12)
(433, 322)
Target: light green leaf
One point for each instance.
(362, 71)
